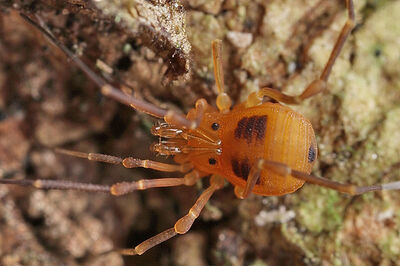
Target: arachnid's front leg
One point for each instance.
(169, 116)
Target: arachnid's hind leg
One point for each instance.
(318, 85)
(284, 170)
(183, 224)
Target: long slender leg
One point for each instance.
(254, 176)
(108, 90)
(183, 224)
(318, 85)
(57, 184)
(117, 189)
(224, 102)
(285, 170)
(123, 188)
(128, 162)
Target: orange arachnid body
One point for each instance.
(229, 144)
(269, 131)
(258, 146)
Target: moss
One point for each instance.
(359, 141)
(319, 209)
(257, 57)
(202, 30)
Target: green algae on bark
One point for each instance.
(336, 229)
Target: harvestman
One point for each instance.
(273, 153)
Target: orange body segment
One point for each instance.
(268, 131)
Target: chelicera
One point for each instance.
(260, 147)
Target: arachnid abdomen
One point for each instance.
(269, 131)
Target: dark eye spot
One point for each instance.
(215, 126)
(212, 161)
(378, 52)
(311, 154)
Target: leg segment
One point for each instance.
(128, 162)
(284, 170)
(149, 243)
(319, 84)
(183, 224)
(123, 188)
(57, 184)
(252, 179)
(108, 90)
(117, 189)
(224, 102)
